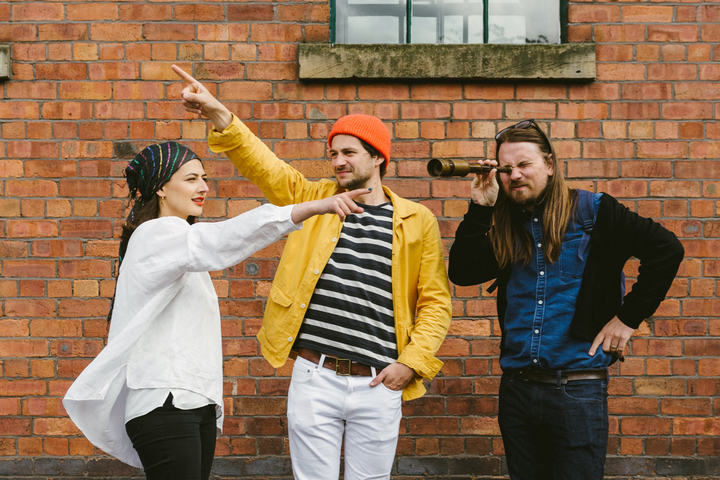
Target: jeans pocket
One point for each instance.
(394, 392)
(303, 371)
(588, 392)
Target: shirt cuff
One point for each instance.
(232, 137)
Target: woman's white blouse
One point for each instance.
(165, 328)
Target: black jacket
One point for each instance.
(617, 235)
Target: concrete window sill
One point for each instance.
(563, 62)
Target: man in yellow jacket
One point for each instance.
(362, 304)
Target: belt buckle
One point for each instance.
(349, 365)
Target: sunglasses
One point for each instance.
(525, 124)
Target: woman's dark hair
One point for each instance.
(374, 153)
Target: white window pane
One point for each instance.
(424, 30)
(369, 30)
(524, 21)
(475, 29)
(374, 2)
(453, 29)
(506, 29)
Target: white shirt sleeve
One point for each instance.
(171, 245)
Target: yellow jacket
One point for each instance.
(419, 279)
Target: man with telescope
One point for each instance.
(557, 257)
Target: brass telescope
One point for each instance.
(437, 167)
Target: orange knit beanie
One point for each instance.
(367, 128)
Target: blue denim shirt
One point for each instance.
(541, 300)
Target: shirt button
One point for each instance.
(289, 339)
(539, 302)
(316, 272)
(334, 240)
(534, 360)
(539, 245)
(535, 219)
(542, 272)
(537, 331)
(302, 305)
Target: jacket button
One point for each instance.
(334, 239)
(302, 305)
(289, 339)
(316, 272)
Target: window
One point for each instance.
(447, 21)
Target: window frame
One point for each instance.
(486, 31)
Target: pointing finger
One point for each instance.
(182, 74)
(356, 193)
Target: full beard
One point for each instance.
(525, 197)
(352, 183)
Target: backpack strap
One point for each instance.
(585, 213)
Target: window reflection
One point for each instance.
(447, 21)
(523, 21)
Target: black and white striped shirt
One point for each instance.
(350, 314)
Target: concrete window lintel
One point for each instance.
(5, 69)
(560, 62)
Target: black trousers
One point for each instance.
(175, 444)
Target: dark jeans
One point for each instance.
(551, 432)
(175, 444)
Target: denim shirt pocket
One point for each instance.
(571, 265)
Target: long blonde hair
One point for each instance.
(511, 241)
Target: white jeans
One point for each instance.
(322, 406)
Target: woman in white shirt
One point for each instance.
(153, 397)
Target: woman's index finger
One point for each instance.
(184, 75)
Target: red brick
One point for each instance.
(639, 14)
(65, 71)
(42, 12)
(672, 33)
(85, 228)
(31, 90)
(687, 110)
(85, 91)
(10, 249)
(146, 13)
(710, 33)
(84, 268)
(593, 14)
(269, 71)
(18, 33)
(619, 33)
(31, 188)
(620, 71)
(702, 169)
(265, 32)
(660, 188)
(99, 11)
(31, 228)
(120, 110)
(661, 149)
(119, 32)
(247, 13)
(203, 13)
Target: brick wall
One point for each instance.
(92, 85)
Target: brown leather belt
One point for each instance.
(565, 376)
(342, 366)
